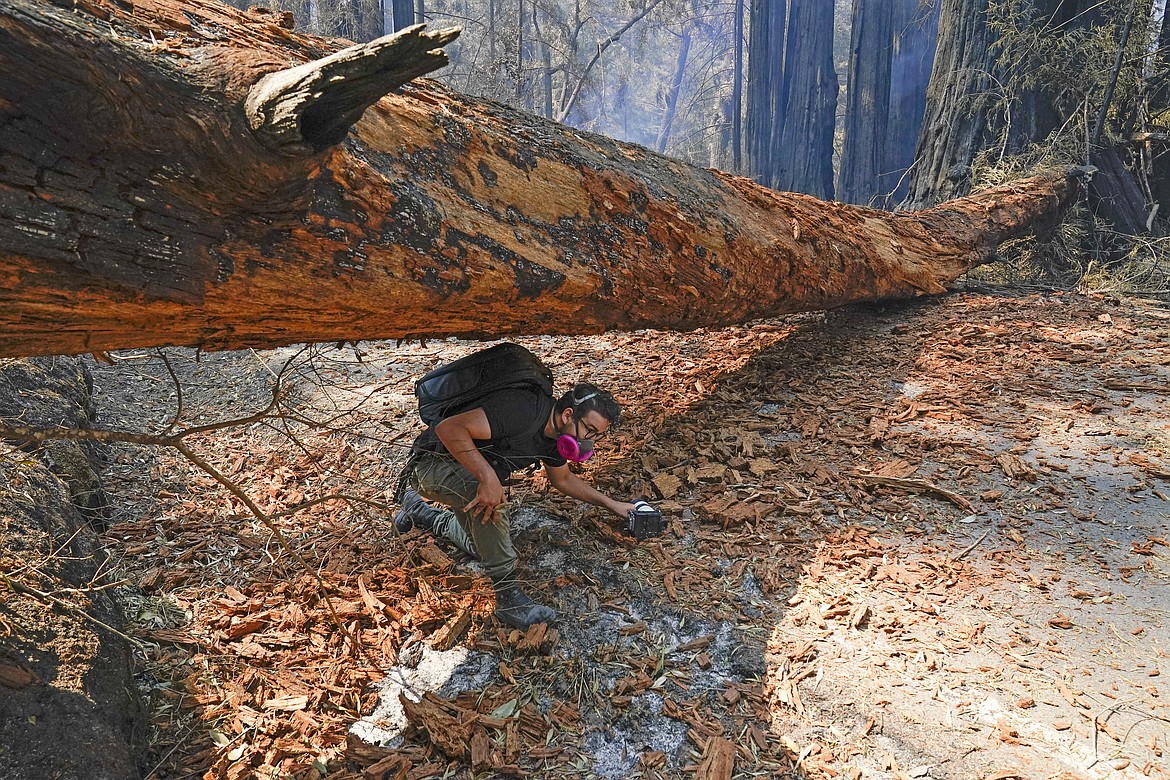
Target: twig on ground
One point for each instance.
(47, 598)
(962, 553)
(918, 486)
(1096, 730)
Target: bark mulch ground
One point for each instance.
(918, 540)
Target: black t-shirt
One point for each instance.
(517, 418)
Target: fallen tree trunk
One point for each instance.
(175, 172)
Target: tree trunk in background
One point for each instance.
(765, 89)
(719, 154)
(367, 20)
(1078, 13)
(737, 92)
(1160, 82)
(805, 155)
(490, 34)
(242, 191)
(546, 79)
(915, 33)
(1114, 193)
(520, 54)
(680, 68)
(1159, 106)
(544, 51)
(867, 113)
(953, 128)
(402, 13)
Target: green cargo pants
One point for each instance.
(441, 478)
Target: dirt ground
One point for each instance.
(915, 540)
(67, 707)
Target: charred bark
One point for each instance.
(1115, 195)
(166, 177)
(867, 113)
(765, 89)
(805, 162)
(67, 702)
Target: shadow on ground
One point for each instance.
(915, 540)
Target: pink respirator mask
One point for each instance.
(574, 449)
(571, 447)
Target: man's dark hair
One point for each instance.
(585, 398)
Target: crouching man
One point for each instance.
(462, 462)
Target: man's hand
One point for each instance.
(621, 509)
(488, 496)
(458, 434)
(573, 486)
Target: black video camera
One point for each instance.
(644, 521)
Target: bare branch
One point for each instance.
(601, 47)
(178, 391)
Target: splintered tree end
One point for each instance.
(310, 107)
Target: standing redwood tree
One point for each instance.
(1159, 103)
(805, 153)
(401, 14)
(954, 127)
(736, 109)
(915, 33)
(867, 112)
(765, 89)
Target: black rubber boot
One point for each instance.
(515, 609)
(413, 512)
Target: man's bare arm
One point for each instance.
(564, 480)
(458, 434)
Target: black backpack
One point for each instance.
(455, 387)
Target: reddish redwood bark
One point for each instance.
(142, 205)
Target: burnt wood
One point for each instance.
(141, 204)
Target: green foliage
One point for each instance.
(1056, 260)
(1070, 63)
(1065, 66)
(1050, 82)
(994, 166)
(1084, 254)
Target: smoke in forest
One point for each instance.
(914, 48)
(659, 73)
